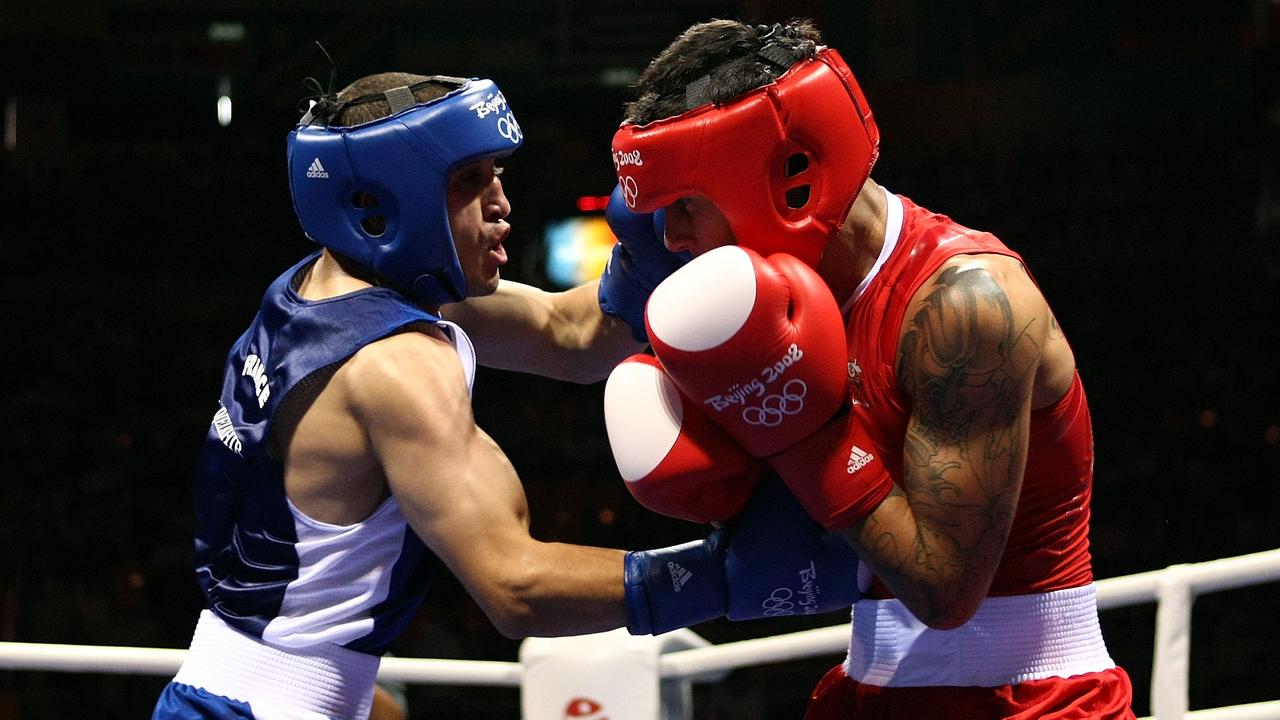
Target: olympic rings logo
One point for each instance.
(630, 191)
(778, 603)
(775, 408)
(510, 129)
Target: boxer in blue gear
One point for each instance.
(343, 466)
(397, 167)
(639, 261)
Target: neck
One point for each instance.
(331, 276)
(851, 253)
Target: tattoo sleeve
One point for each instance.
(967, 362)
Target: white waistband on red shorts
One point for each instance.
(1009, 640)
(327, 681)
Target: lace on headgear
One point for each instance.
(323, 105)
(698, 92)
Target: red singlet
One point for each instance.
(1045, 574)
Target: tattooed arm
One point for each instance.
(970, 350)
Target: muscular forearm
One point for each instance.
(930, 557)
(558, 335)
(554, 589)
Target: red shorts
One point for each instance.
(1103, 695)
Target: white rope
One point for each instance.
(1210, 576)
(830, 640)
(165, 661)
(451, 672)
(706, 662)
(1203, 577)
(1255, 711)
(90, 658)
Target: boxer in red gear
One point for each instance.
(960, 379)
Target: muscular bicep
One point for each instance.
(967, 358)
(454, 486)
(461, 495)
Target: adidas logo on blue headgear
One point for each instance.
(403, 162)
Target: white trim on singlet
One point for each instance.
(892, 230)
(466, 351)
(1008, 641)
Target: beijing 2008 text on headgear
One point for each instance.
(403, 161)
(742, 155)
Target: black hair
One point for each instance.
(716, 61)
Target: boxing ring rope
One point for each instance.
(1173, 589)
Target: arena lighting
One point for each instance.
(224, 101)
(232, 31)
(577, 249)
(590, 203)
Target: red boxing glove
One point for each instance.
(757, 343)
(835, 473)
(674, 461)
(761, 344)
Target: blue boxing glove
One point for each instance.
(639, 262)
(772, 560)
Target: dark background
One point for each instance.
(1127, 149)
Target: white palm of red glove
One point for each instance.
(673, 459)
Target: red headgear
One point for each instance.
(783, 162)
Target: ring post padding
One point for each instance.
(1171, 666)
(611, 675)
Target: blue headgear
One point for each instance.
(403, 162)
